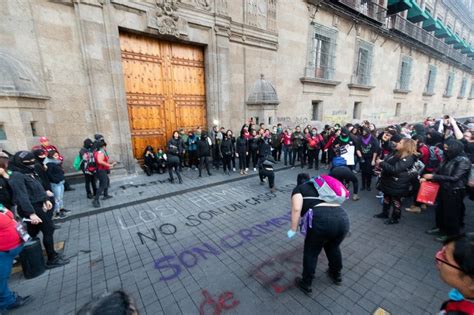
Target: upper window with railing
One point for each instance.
(363, 64)
(322, 52)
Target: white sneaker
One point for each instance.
(247, 169)
(233, 170)
(254, 169)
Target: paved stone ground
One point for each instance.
(224, 249)
(133, 189)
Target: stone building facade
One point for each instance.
(136, 70)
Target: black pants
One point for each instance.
(243, 161)
(344, 174)
(216, 159)
(330, 227)
(267, 173)
(47, 228)
(367, 170)
(193, 160)
(176, 167)
(313, 156)
(450, 211)
(252, 156)
(226, 161)
(298, 152)
(276, 153)
(392, 202)
(233, 160)
(104, 183)
(90, 182)
(204, 160)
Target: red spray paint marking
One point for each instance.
(219, 305)
(279, 266)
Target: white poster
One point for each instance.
(348, 154)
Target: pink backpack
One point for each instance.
(330, 189)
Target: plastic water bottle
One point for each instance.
(22, 232)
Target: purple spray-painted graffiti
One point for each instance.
(171, 266)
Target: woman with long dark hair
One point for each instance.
(242, 151)
(367, 153)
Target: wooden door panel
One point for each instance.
(165, 88)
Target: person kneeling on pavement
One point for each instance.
(32, 201)
(265, 170)
(324, 223)
(343, 173)
(10, 246)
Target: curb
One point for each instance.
(167, 195)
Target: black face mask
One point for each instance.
(29, 164)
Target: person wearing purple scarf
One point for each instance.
(367, 153)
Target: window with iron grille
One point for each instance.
(462, 91)
(448, 91)
(322, 54)
(363, 68)
(471, 93)
(3, 135)
(430, 83)
(405, 73)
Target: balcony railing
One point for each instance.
(368, 8)
(426, 38)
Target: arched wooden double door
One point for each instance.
(165, 87)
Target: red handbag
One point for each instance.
(427, 193)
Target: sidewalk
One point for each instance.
(135, 189)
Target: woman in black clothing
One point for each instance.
(33, 203)
(325, 223)
(253, 150)
(242, 151)
(367, 153)
(176, 147)
(230, 135)
(396, 178)
(89, 167)
(149, 159)
(204, 152)
(5, 190)
(227, 151)
(453, 176)
(41, 171)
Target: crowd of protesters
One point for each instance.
(394, 161)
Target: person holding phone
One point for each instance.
(33, 203)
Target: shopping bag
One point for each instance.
(427, 193)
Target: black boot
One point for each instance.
(381, 215)
(335, 277)
(303, 287)
(96, 203)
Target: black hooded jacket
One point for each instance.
(455, 170)
(40, 169)
(203, 147)
(395, 179)
(26, 185)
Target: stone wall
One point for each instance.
(66, 71)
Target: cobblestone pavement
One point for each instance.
(129, 190)
(224, 250)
